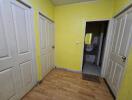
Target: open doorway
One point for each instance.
(94, 46)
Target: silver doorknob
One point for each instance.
(53, 47)
(123, 58)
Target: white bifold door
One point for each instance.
(46, 44)
(17, 63)
(121, 43)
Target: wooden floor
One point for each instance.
(65, 85)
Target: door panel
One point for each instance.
(116, 66)
(8, 78)
(48, 62)
(6, 51)
(23, 39)
(7, 84)
(46, 44)
(44, 65)
(122, 39)
(52, 43)
(3, 41)
(16, 50)
(43, 44)
(109, 69)
(52, 59)
(126, 35)
(49, 44)
(20, 28)
(26, 73)
(120, 34)
(117, 76)
(110, 74)
(43, 35)
(117, 30)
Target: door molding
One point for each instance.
(103, 69)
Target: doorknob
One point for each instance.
(123, 58)
(53, 47)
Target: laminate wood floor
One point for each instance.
(64, 85)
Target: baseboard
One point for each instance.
(109, 89)
(66, 69)
(40, 81)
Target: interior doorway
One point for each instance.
(94, 44)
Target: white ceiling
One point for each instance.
(63, 2)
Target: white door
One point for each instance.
(21, 20)
(122, 38)
(46, 44)
(51, 45)
(8, 66)
(17, 75)
(43, 44)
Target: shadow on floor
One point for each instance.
(91, 69)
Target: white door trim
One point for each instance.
(107, 45)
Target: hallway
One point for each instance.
(64, 85)
(65, 49)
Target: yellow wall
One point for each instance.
(120, 4)
(70, 28)
(126, 87)
(47, 8)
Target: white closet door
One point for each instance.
(24, 44)
(51, 45)
(43, 44)
(21, 27)
(8, 66)
(120, 47)
(17, 76)
(46, 44)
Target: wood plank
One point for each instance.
(65, 85)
